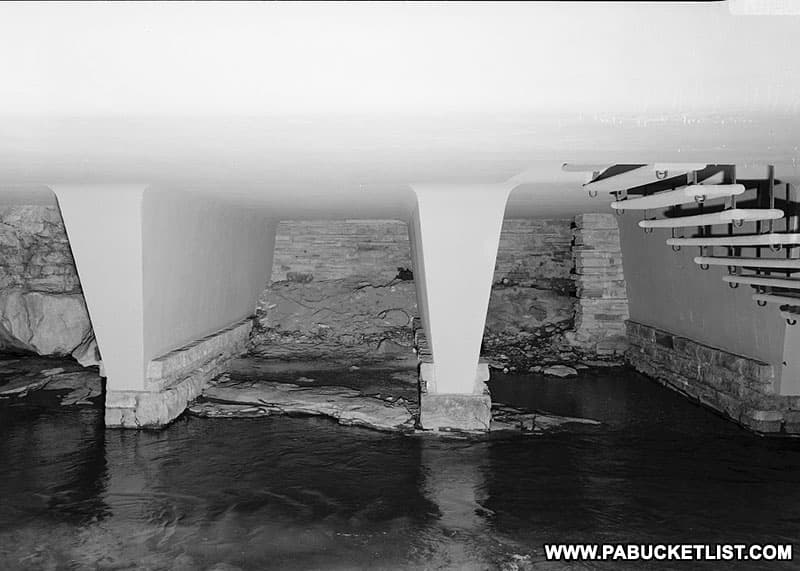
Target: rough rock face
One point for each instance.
(43, 323)
(349, 317)
(41, 307)
(356, 318)
(513, 310)
(34, 251)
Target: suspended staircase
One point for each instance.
(702, 196)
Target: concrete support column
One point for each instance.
(104, 227)
(455, 232)
(170, 280)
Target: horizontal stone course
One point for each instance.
(602, 306)
(176, 378)
(536, 251)
(742, 388)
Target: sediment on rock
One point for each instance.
(348, 318)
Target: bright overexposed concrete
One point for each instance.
(455, 238)
(205, 262)
(108, 256)
(159, 271)
(236, 113)
(333, 109)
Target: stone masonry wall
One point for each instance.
(336, 249)
(738, 387)
(602, 305)
(534, 252)
(334, 292)
(34, 251)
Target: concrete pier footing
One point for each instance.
(445, 411)
(176, 378)
(455, 412)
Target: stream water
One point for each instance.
(305, 493)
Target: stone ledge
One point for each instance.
(175, 379)
(739, 387)
(172, 366)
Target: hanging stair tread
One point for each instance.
(748, 262)
(787, 283)
(644, 174)
(774, 298)
(684, 195)
(723, 217)
(771, 239)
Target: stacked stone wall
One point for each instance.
(602, 306)
(535, 253)
(335, 249)
(532, 252)
(34, 251)
(741, 388)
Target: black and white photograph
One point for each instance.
(402, 285)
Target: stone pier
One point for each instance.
(602, 304)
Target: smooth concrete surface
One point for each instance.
(205, 262)
(455, 239)
(667, 290)
(332, 110)
(160, 270)
(104, 227)
(427, 377)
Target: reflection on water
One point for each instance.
(299, 493)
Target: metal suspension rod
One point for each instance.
(771, 193)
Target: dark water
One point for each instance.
(305, 493)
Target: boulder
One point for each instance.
(42, 323)
(560, 371)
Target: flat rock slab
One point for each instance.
(507, 418)
(20, 377)
(560, 371)
(347, 406)
(235, 398)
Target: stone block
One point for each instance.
(769, 421)
(133, 409)
(446, 412)
(175, 379)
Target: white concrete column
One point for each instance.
(456, 232)
(170, 280)
(104, 227)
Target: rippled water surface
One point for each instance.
(300, 493)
